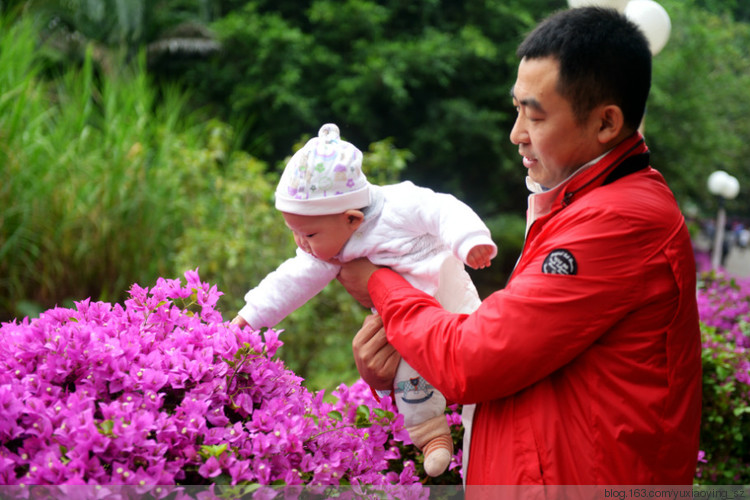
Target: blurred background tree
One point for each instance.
(142, 138)
(434, 75)
(696, 121)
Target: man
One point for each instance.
(586, 367)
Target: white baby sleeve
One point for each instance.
(290, 286)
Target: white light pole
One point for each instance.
(724, 187)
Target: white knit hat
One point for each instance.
(324, 177)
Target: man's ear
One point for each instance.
(354, 218)
(611, 123)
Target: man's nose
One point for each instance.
(517, 133)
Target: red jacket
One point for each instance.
(586, 367)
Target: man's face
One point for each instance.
(550, 139)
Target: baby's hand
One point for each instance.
(479, 256)
(239, 321)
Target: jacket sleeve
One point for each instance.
(524, 332)
(290, 286)
(446, 216)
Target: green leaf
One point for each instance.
(213, 450)
(106, 428)
(383, 414)
(363, 411)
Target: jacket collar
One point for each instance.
(625, 158)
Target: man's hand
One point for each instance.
(479, 256)
(375, 358)
(354, 276)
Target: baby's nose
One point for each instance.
(302, 243)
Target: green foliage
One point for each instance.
(435, 75)
(432, 75)
(233, 233)
(169, 31)
(94, 197)
(724, 307)
(696, 120)
(726, 414)
(78, 164)
(19, 100)
(738, 9)
(94, 192)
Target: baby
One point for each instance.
(336, 216)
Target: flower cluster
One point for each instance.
(724, 309)
(162, 391)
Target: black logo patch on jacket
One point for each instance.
(560, 261)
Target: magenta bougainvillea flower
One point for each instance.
(724, 310)
(162, 391)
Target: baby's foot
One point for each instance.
(438, 454)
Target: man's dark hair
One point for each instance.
(604, 58)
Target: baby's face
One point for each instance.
(322, 235)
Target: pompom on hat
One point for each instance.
(324, 177)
